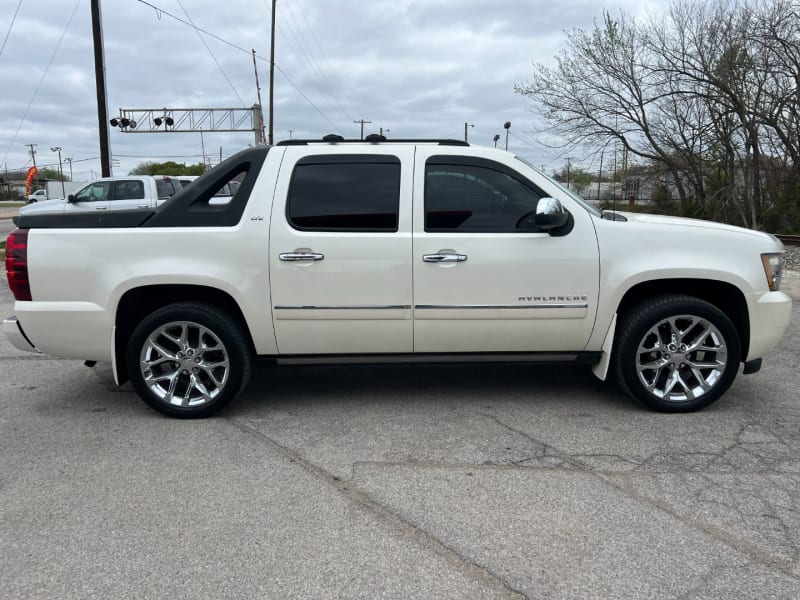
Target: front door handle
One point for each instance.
(101, 208)
(444, 258)
(300, 256)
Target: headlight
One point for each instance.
(773, 269)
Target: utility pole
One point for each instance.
(291, 131)
(33, 157)
(100, 83)
(600, 174)
(203, 150)
(69, 160)
(60, 169)
(569, 164)
(362, 121)
(465, 130)
(32, 152)
(258, 92)
(272, 74)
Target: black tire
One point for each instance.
(676, 353)
(199, 360)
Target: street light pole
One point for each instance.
(496, 138)
(465, 130)
(507, 126)
(60, 169)
(69, 160)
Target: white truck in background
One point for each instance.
(52, 190)
(111, 193)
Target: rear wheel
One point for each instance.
(677, 353)
(188, 360)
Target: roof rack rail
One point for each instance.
(332, 138)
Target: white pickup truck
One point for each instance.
(342, 251)
(55, 190)
(112, 193)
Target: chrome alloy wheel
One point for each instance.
(681, 358)
(184, 364)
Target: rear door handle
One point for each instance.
(444, 258)
(300, 256)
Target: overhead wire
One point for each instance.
(202, 39)
(305, 49)
(344, 89)
(10, 27)
(161, 11)
(41, 81)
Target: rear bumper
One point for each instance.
(770, 313)
(64, 329)
(15, 334)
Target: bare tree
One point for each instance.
(703, 91)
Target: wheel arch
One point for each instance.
(137, 303)
(725, 296)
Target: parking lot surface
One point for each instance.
(410, 481)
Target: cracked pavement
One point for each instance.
(403, 481)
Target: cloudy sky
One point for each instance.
(418, 68)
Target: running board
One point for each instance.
(567, 358)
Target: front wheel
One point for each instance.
(676, 353)
(188, 360)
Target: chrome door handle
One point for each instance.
(444, 258)
(144, 206)
(299, 256)
(101, 208)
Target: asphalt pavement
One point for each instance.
(397, 482)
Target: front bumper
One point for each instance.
(770, 313)
(15, 334)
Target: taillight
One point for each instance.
(17, 264)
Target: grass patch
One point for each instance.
(8, 204)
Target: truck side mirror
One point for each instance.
(550, 214)
(71, 198)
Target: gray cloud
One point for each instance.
(421, 68)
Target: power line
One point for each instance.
(224, 74)
(324, 57)
(161, 11)
(41, 81)
(315, 70)
(10, 27)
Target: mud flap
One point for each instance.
(600, 370)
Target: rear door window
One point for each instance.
(345, 193)
(167, 187)
(128, 190)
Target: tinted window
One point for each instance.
(167, 187)
(464, 197)
(128, 190)
(345, 194)
(94, 192)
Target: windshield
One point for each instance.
(572, 194)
